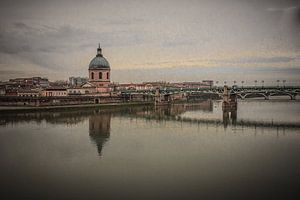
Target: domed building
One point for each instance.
(99, 72)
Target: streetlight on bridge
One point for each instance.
(284, 83)
(255, 83)
(278, 83)
(262, 84)
(243, 84)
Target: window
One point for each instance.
(92, 75)
(107, 75)
(100, 75)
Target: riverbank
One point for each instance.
(68, 107)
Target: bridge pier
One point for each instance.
(229, 106)
(229, 100)
(161, 99)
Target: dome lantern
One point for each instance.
(99, 51)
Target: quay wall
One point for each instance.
(10, 103)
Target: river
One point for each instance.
(186, 151)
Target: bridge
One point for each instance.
(169, 94)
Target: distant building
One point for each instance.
(11, 92)
(210, 83)
(2, 90)
(59, 84)
(77, 81)
(84, 89)
(140, 86)
(43, 83)
(28, 93)
(99, 72)
(192, 85)
(57, 92)
(32, 82)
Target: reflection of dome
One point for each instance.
(99, 129)
(99, 61)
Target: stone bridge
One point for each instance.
(170, 94)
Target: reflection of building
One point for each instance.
(99, 72)
(99, 129)
(177, 109)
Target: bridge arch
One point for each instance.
(292, 96)
(256, 94)
(240, 96)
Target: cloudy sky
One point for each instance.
(147, 40)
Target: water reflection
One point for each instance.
(99, 128)
(229, 118)
(208, 112)
(140, 158)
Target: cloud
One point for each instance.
(221, 74)
(61, 36)
(49, 46)
(275, 59)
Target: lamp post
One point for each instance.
(278, 83)
(243, 84)
(255, 83)
(284, 83)
(262, 84)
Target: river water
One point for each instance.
(187, 151)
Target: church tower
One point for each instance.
(99, 72)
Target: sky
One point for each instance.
(157, 40)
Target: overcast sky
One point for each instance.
(151, 40)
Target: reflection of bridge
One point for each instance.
(218, 122)
(174, 113)
(100, 120)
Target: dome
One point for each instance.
(99, 61)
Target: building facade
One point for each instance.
(99, 72)
(28, 93)
(85, 89)
(54, 92)
(77, 81)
